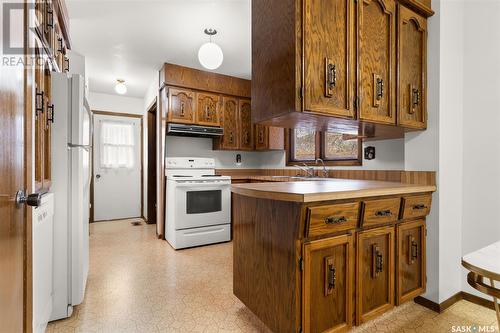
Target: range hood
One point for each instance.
(194, 130)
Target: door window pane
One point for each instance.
(304, 145)
(117, 145)
(338, 149)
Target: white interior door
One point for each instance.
(117, 167)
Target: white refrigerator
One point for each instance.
(71, 175)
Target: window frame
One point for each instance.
(320, 152)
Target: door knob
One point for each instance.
(97, 176)
(34, 199)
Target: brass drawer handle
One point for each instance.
(383, 213)
(415, 97)
(335, 220)
(419, 207)
(50, 114)
(331, 277)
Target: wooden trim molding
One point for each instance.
(462, 295)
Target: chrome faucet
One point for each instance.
(307, 169)
(325, 172)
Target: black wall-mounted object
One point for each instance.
(370, 153)
(238, 159)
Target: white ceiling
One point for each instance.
(131, 39)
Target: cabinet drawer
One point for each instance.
(381, 211)
(332, 218)
(416, 206)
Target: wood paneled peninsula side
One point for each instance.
(325, 255)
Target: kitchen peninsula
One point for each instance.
(323, 255)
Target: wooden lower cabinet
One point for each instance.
(375, 273)
(327, 281)
(410, 270)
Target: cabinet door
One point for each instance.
(329, 57)
(375, 273)
(412, 69)
(245, 125)
(47, 128)
(377, 60)
(261, 137)
(181, 106)
(40, 103)
(410, 260)
(230, 123)
(327, 284)
(208, 109)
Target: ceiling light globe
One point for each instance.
(210, 56)
(121, 88)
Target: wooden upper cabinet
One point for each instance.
(377, 60)
(230, 123)
(261, 137)
(375, 273)
(269, 138)
(245, 125)
(327, 281)
(412, 69)
(329, 63)
(411, 274)
(181, 106)
(207, 109)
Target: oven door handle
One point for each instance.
(218, 185)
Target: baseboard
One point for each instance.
(439, 308)
(478, 300)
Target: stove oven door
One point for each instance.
(202, 204)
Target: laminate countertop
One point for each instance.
(326, 190)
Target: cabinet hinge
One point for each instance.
(301, 264)
(301, 92)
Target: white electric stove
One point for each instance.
(198, 203)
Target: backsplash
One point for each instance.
(390, 155)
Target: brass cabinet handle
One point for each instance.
(61, 47)
(261, 137)
(414, 250)
(182, 109)
(330, 77)
(207, 112)
(50, 14)
(246, 137)
(380, 89)
(419, 207)
(331, 275)
(50, 114)
(383, 213)
(335, 220)
(231, 137)
(39, 102)
(378, 261)
(415, 97)
(66, 60)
